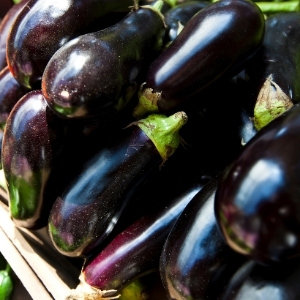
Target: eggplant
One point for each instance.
(256, 282)
(5, 26)
(92, 203)
(194, 60)
(110, 63)
(195, 261)
(10, 93)
(257, 200)
(177, 16)
(31, 43)
(273, 73)
(32, 141)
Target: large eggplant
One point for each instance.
(257, 202)
(44, 26)
(32, 141)
(87, 211)
(214, 44)
(195, 262)
(108, 65)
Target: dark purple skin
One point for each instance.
(195, 262)
(136, 250)
(10, 93)
(114, 58)
(214, 44)
(5, 25)
(88, 209)
(278, 56)
(32, 139)
(257, 201)
(32, 42)
(5, 6)
(182, 13)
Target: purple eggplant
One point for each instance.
(257, 202)
(136, 250)
(90, 206)
(5, 26)
(109, 63)
(32, 42)
(10, 93)
(32, 140)
(215, 43)
(195, 262)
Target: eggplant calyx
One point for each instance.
(163, 131)
(84, 291)
(147, 102)
(271, 102)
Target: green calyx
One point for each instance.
(147, 103)
(163, 131)
(6, 284)
(276, 7)
(271, 102)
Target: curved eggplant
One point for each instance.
(10, 93)
(135, 251)
(87, 211)
(194, 60)
(108, 65)
(273, 73)
(195, 259)
(32, 140)
(32, 42)
(5, 26)
(257, 201)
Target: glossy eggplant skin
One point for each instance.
(31, 43)
(32, 139)
(136, 250)
(89, 207)
(10, 93)
(111, 61)
(215, 43)
(5, 25)
(257, 201)
(195, 262)
(278, 56)
(181, 13)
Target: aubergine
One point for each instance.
(257, 200)
(10, 93)
(90, 206)
(177, 16)
(194, 60)
(5, 26)
(32, 42)
(32, 141)
(109, 63)
(273, 72)
(195, 262)
(135, 251)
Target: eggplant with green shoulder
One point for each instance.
(109, 64)
(32, 141)
(194, 60)
(90, 206)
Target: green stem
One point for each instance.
(275, 7)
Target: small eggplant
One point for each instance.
(10, 93)
(179, 15)
(90, 206)
(32, 140)
(215, 43)
(107, 66)
(195, 262)
(5, 27)
(44, 26)
(257, 201)
(273, 72)
(135, 251)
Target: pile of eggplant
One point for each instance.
(157, 141)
